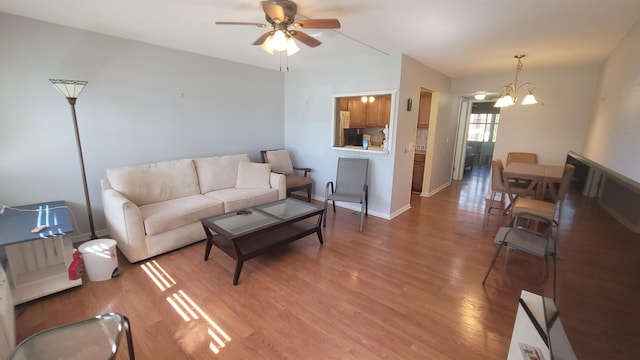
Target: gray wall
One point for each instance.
(309, 115)
(143, 103)
(614, 136)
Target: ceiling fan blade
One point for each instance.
(304, 38)
(262, 38)
(274, 11)
(241, 23)
(318, 24)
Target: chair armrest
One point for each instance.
(305, 169)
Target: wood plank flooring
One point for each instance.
(409, 288)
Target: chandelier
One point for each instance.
(509, 93)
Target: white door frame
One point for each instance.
(461, 138)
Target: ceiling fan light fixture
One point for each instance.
(279, 41)
(267, 45)
(292, 47)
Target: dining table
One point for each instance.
(540, 177)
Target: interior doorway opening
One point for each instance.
(482, 131)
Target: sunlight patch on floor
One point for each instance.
(184, 306)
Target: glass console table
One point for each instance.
(95, 338)
(37, 261)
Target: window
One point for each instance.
(483, 127)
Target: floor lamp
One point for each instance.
(71, 89)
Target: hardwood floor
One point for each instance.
(409, 288)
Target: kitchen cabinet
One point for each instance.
(372, 115)
(424, 111)
(418, 172)
(358, 113)
(378, 112)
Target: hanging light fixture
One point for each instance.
(280, 40)
(509, 93)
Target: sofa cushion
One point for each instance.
(233, 199)
(280, 161)
(151, 183)
(260, 196)
(218, 172)
(171, 214)
(253, 175)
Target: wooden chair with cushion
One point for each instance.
(498, 186)
(281, 163)
(544, 211)
(522, 157)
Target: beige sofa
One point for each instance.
(155, 208)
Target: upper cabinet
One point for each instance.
(357, 113)
(374, 113)
(424, 111)
(378, 112)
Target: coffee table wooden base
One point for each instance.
(253, 243)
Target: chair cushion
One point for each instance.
(539, 208)
(296, 181)
(253, 175)
(280, 161)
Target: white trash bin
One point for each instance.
(100, 259)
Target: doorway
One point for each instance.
(477, 130)
(482, 131)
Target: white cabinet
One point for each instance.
(37, 263)
(39, 267)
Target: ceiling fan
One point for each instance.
(280, 15)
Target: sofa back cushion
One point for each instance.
(218, 172)
(151, 183)
(253, 176)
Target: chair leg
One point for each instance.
(324, 217)
(362, 210)
(493, 262)
(309, 193)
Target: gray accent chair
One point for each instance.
(350, 186)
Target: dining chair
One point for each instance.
(350, 186)
(539, 210)
(281, 163)
(530, 242)
(498, 186)
(522, 157)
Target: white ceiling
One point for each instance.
(459, 38)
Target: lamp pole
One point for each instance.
(71, 89)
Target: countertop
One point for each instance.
(372, 149)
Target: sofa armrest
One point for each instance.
(125, 223)
(279, 181)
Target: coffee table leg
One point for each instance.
(207, 251)
(319, 228)
(236, 276)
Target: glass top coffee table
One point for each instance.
(95, 338)
(247, 233)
